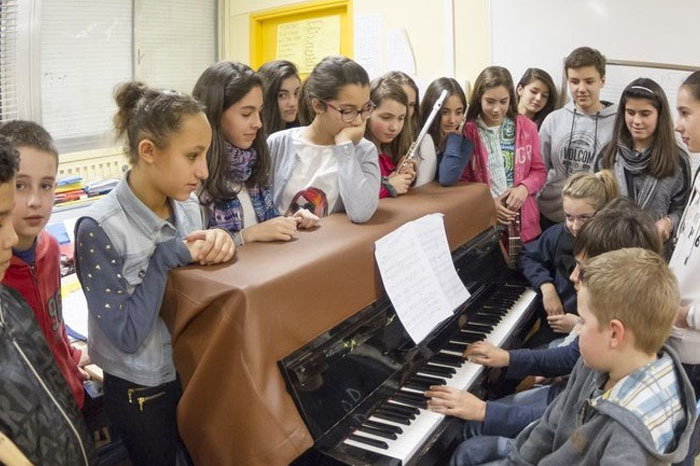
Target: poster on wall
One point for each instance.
(306, 42)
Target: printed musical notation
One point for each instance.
(419, 276)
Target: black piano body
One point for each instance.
(343, 376)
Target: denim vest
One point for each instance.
(134, 231)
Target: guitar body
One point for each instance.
(511, 243)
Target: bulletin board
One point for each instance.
(302, 33)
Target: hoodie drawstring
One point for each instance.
(568, 148)
(595, 135)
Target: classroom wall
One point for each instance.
(425, 26)
(542, 32)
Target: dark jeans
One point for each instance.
(145, 419)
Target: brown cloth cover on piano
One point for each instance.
(230, 324)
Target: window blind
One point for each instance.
(8, 60)
(175, 41)
(86, 50)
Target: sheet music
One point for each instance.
(412, 263)
(431, 234)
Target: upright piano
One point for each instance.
(293, 353)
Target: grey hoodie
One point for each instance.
(581, 429)
(570, 142)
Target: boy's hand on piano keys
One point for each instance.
(275, 229)
(451, 401)
(550, 300)
(486, 354)
(503, 214)
(515, 197)
(562, 323)
(305, 219)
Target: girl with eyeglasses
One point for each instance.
(649, 166)
(326, 166)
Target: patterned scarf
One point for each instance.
(635, 163)
(228, 213)
(500, 145)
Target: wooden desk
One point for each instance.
(231, 323)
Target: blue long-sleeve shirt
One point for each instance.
(125, 318)
(451, 163)
(550, 259)
(507, 419)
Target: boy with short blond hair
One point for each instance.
(35, 267)
(628, 400)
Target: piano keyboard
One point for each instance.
(402, 424)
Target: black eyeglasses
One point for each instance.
(349, 114)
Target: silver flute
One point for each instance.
(429, 121)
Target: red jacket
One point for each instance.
(529, 169)
(40, 286)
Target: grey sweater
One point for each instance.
(570, 143)
(573, 431)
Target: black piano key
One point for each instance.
(448, 360)
(484, 319)
(446, 372)
(454, 347)
(428, 379)
(406, 395)
(398, 414)
(383, 426)
(497, 311)
(417, 385)
(422, 404)
(476, 328)
(369, 441)
(378, 432)
(401, 408)
(466, 338)
(391, 417)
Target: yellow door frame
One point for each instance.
(295, 13)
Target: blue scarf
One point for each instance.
(228, 214)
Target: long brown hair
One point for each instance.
(490, 77)
(537, 74)
(431, 96)
(218, 88)
(664, 151)
(275, 72)
(403, 79)
(384, 89)
(325, 81)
